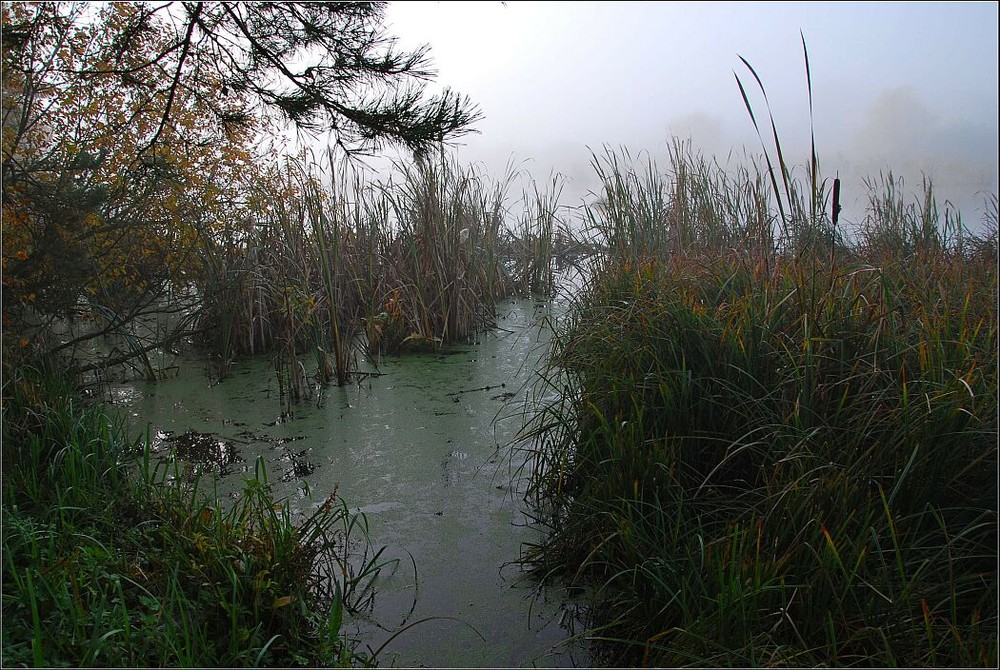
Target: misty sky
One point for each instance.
(907, 86)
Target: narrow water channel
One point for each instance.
(423, 450)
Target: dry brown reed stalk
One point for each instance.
(413, 262)
(531, 246)
(444, 255)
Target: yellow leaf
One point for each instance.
(282, 601)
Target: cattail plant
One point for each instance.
(759, 441)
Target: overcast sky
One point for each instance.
(907, 86)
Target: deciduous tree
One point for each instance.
(131, 133)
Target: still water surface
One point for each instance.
(423, 450)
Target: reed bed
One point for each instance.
(107, 563)
(444, 256)
(763, 449)
(331, 264)
(533, 244)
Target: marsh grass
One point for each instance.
(759, 454)
(105, 563)
(802, 224)
(445, 253)
(532, 245)
(332, 263)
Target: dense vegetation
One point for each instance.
(142, 202)
(775, 449)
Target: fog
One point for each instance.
(907, 87)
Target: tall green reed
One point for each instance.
(697, 208)
(717, 209)
(803, 222)
(632, 210)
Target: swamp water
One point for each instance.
(423, 451)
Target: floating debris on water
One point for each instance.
(207, 452)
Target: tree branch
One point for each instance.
(192, 21)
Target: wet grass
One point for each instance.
(111, 561)
(774, 450)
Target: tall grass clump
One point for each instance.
(631, 214)
(107, 564)
(697, 208)
(762, 457)
(330, 263)
(282, 283)
(532, 246)
(445, 254)
(714, 209)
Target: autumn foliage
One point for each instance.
(93, 208)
